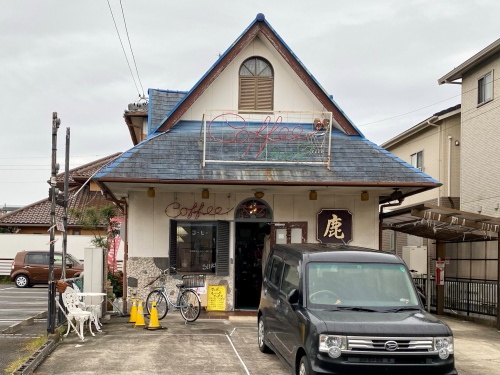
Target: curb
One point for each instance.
(26, 322)
(36, 358)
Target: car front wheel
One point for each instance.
(304, 366)
(260, 337)
(22, 281)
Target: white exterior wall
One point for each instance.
(11, 244)
(480, 143)
(290, 93)
(149, 225)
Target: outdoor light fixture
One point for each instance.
(259, 194)
(151, 192)
(365, 196)
(205, 194)
(313, 195)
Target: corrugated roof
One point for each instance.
(177, 156)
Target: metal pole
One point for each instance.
(51, 319)
(65, 215)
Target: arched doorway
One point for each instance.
(252, 228)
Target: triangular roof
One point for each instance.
(174, 155)
(258, 26)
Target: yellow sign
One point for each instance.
(216, 298)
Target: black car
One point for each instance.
(328, 309)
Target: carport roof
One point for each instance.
(442, 224)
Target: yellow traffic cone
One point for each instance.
(133, 312)
(153, 318)
(139, 322)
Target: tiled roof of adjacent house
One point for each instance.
(38, 213)
(84, 172)
(177, 156)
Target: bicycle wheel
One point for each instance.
(190, 305)
(161, 303)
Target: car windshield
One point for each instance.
(360, 286)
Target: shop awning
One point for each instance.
(442, 224)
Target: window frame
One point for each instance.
(220, 252)
(256, 91)
(417, 156)
(485, 93)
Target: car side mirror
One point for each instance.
(293, 297)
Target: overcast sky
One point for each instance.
(379, 59)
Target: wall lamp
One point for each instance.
(259, 194)
(313, 195)
(151, 192)
(205, 194)
(365, 196)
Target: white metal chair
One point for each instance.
(75, 312)
(94, 309)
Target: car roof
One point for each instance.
(336, 252)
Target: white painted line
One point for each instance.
(237, 354)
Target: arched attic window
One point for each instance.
(256, 85)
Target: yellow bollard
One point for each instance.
(139, 322)
(153, 318)
(133, 311)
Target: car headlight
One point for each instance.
(444, 346)
(332, 344)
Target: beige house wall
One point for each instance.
(480, 146)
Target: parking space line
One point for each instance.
(237, 354)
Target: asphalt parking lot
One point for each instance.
(211, 346)
(208, 346)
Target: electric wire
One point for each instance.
(131, 50)
(123, 48)
(430, 105)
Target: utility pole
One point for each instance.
(51, 321)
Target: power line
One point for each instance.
(123, 48)
(131, 50)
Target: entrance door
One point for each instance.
(251, 238)
(249, 246)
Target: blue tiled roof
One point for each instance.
(177, 156)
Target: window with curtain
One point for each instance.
(256, 85)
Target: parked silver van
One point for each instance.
(327, 309)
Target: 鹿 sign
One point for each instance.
(334, 226)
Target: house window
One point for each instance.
(200, 246)
(417, 160)
(256, 85)
(485, 88)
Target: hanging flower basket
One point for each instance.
(61, 286)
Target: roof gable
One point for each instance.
(478, 58)
(258, 27)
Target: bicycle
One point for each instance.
(187, 300)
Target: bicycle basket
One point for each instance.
(193, 281)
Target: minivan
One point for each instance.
(32, 267)
(340, 309)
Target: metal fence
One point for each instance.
(469, 296)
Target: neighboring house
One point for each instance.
(432, 146)
(480, 129)
(27, 228)
(257, 146)
(6, 209)
(458, 147)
